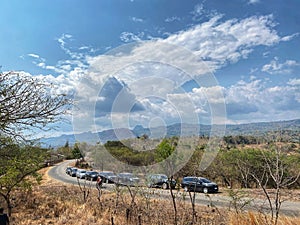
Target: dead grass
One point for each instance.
(252, 218)
(64, 205)
(56, 203)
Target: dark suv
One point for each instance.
(127, 179)
(108, 176)
(91, 175)
(199, 184)
(160, 180)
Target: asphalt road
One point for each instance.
(288, 207)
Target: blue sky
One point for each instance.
(251, 47)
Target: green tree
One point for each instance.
(76, 152)
(18, 165)
(27, 104)
(66, 151)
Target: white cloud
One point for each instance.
(294, 82)
(34, 55)
(217, 42)
(131, 37)
(172, 19)
(253, 1)
(152, 74)
(135, 19)
(274, 67)
(289, 37)
(257, 101)
(228, 41)
(200, 12)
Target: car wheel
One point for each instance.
(205, 190)
(185, 189)
(164, 186)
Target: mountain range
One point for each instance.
(255, 129)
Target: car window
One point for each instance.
(186, 179)
(195, 179)
(163, 177)
(204, 180)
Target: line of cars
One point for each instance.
(106, 176)
(190, 183)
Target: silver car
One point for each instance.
(81, 174)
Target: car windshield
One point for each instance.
(163, 177)
(204, 180)
(107, 173)
(126, 175)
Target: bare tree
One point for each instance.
(166, 151)
(278, 173)
(27, 103)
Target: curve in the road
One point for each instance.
(288, 208)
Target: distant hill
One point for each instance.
(255, 129)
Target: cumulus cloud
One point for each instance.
(222, 42)
(148, 78)
(294, 82)
(259, 100)
(112, 90)
(275, 67)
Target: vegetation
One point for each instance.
(54, 203)
(243, 162)
(18, 167)
(271, 163)
(27, 104)
(238, 161)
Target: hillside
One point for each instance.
(290, 128)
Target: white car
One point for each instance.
(81, 174)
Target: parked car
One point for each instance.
(80, 174)
(199, 184)
(68, 170)
(127, 179)
(108, 176)
(91, 175)
(160, 181)
(73, 172)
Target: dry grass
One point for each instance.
(56, 203)
(252, 218)
(64, 205)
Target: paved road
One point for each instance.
(288, 208)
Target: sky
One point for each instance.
(158, 62)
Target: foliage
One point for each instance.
(76, 153)
(18, 167)
(128, 155)
(66, 151)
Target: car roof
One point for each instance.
(196, 177)
(106, 172)
(126, 173)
